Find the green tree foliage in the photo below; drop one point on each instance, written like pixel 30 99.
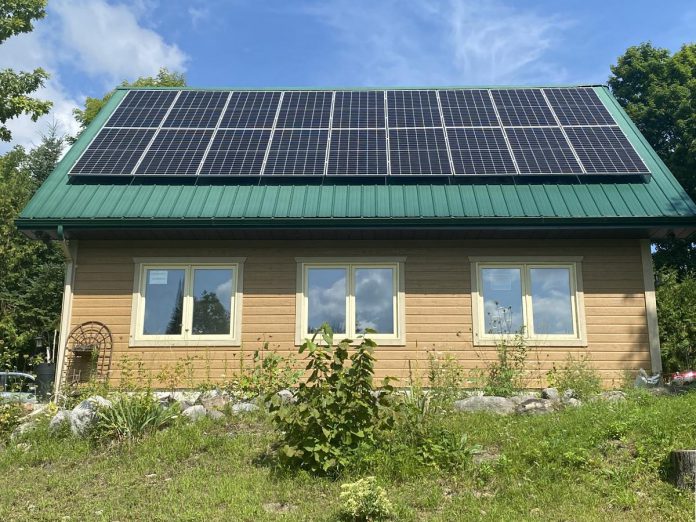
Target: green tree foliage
pixel 16 16
pixel 658 90
pixel 164 78
pixel 210 315
pixel 676 312
pixel 31 271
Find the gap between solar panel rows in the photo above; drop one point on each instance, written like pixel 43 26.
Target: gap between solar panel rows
pixel 474 132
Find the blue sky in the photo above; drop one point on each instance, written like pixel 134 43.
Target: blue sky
pixel 88 46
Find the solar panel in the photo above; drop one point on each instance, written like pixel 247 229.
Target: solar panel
pixel 418 152
pixel 358 152
pixel 237 152
pixel 605 150
pixel 175 152
pixel 113 151
pixel 413 109
pixel 480 151
pixel 542 150
pixel 142 109
pixel 579 106
pixel 305 110
pixel 297 153
pixel 251 109
pixel 358 110
pixel 197 109
pixel 468 108
pixel 522 107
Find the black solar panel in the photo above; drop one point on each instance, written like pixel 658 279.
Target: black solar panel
pixel 175 152
pixel 468 108
pixel 114 151
pixel 605 150
pixel 480 151
pixel 237 152
pixel 305 109
pixel 251 109
pixel 418 152
pixel 542 150
pixel 413 109
pixel 358 110
pixel 358 152
pixel 579 106
pixel 522 107
pixel 142 109
pixel 197 109
pixel 297 153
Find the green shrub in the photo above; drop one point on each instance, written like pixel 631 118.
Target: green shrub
pixel 676 313
pixel 133 416
pixel 503 376
pixel 268 374
pixel 364 501
pixel 445 381
pixel 10 415
pixel 577 375
pixel 336 410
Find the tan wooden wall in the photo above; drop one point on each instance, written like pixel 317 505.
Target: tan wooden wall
pixel 438 300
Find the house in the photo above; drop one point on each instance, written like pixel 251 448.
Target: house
pixel 199 224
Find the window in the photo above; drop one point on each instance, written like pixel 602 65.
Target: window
pixel 187 303
pixel 541 299
pixel 352 297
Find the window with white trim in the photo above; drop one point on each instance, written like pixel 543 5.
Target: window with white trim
pixel 540 300
pixel 187 303
pixel 352 297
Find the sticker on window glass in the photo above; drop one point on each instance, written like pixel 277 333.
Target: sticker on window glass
pixel 158 277
pixel 503 279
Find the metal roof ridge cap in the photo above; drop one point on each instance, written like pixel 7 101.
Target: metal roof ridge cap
pixel 363 88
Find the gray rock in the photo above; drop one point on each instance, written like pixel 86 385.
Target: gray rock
pixel 569 394
pixel 164 398
pixel 186 398
pixel 519 399
pixel 84 415
pixel 60 419
pixel 550 393
pixel 498 405
pixel 244 407
pixel 214 399
pixel 535 407
pixel 215 414
pixel 287 396
pixel 573 402
pixel 613 396
pixel 195 412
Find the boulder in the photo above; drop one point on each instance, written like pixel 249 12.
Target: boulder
pixel 498 405
pixel 244 407
pixel 60 419
pixel 519 399
pixel 613 396
pixel 573 402
pixel 535 407
pixel 287 396
pixel 569 394
pixel 195 412
pixel 214 399
pixel 163 397
pixel 186 398
pixel 215 414
pixel 84 415
pixel 550 393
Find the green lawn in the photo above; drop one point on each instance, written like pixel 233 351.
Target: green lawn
pixel 599 462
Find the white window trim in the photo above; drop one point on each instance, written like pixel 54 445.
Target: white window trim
pixel 482 338
pixel 137 339
pixel 398 338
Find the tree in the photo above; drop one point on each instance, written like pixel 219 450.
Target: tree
pixel 658 91
pixel 16 16
pixel 164 78
pixel 31 285
pixel 210 315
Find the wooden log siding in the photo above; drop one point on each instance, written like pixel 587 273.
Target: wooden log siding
pixel 438 301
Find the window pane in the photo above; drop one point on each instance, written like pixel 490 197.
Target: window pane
pixel 502 300
pixel 212 301
pixel 374 303
pixel 552 307
pixel 164 301
pixel 326 298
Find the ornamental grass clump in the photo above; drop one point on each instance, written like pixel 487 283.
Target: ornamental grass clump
pixel 131 417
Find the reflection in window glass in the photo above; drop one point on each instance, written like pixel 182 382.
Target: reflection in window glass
pixel 502 300
pixel 212 301
pixel 164 301
pixel 326 298
pixel 374 304
pixel 552 307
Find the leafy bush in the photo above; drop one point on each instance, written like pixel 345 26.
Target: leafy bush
pixel 577 375
pixel 503 376
pixel 336 409
pixel 10 415
pixel 365 501
pixel 269 373
pixel 676 313
pixel 133 416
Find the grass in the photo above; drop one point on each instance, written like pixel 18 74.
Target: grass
pixel 600 462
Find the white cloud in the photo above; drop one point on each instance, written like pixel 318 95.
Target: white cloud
pixel 454 42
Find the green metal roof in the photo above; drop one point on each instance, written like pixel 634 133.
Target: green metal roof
pixel 660 200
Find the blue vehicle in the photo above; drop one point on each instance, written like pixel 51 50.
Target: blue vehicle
pixel 17 387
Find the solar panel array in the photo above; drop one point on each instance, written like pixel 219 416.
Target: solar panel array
pixel 447 132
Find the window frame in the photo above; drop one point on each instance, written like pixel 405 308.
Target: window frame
pixel 525 264
pixel 398 338
pixel 186 338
